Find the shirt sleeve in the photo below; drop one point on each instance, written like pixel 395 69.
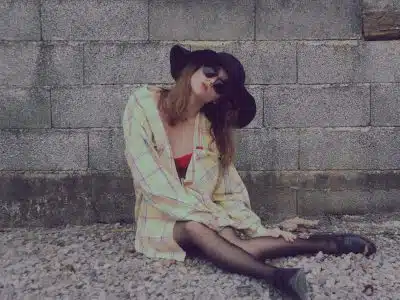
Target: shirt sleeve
pixel 163 190
pixel 231 193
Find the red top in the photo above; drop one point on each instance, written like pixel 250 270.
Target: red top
pixel 183 161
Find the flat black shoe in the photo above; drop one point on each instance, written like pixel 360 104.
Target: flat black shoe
pixel 348 243
pixel 292 282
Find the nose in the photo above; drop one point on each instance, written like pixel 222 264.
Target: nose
pixel 210 81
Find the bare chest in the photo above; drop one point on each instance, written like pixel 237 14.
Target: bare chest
pixel 180 138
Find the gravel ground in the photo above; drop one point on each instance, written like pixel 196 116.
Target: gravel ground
pixel 99 262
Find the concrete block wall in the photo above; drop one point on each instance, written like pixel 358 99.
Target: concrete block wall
pixel 326 137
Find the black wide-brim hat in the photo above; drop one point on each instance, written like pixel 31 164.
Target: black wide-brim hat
pixel 245 103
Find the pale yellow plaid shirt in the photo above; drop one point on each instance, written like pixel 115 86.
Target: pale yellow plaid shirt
pixel 205 195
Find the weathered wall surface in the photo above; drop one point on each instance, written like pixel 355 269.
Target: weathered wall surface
pixel 326 138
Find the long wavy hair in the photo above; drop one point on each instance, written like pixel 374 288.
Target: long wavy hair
pixel 221 114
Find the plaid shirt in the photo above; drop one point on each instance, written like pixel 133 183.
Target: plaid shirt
pixel 206 195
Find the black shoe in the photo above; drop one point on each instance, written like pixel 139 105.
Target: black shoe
pixel 347 243
pixel 291 281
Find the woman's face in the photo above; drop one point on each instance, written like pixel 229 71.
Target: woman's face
pixel 202 85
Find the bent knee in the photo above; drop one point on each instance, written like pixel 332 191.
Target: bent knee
pixel 186 229
pixel 195 227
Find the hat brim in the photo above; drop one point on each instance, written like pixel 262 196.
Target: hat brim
pixel 247 108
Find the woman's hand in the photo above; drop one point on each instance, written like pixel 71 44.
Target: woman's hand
pixel 276 232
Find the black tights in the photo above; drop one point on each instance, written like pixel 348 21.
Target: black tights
pixel 233 258
pixel 269 247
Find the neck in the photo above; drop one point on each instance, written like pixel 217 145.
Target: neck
pixel 194 106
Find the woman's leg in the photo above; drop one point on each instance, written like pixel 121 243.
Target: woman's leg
pixel 232 258
pixel 270 247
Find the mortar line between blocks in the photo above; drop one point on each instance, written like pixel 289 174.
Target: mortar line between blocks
pixel 297 62
pixel 255 20
pixel 40 20
pixel 83 64
pixel 88 149
pixel 370 104
pixel 263 107
pixel 51 108
pixel 148 20
pixel 298 148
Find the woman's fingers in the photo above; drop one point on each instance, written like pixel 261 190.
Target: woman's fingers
pixel 288 236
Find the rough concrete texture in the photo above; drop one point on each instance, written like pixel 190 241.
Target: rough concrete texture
pixel 90 106
pixel 317 105
pixel 271 149
pixel 80 198
pixel 336 19
pixel 359 148
pixel 348 61
pixel 26 26
pixel 201 20
pixel 25 108
pixel 325 137
pixel 94 20
pixel 385 104
pixel 42 149
pixel 41 64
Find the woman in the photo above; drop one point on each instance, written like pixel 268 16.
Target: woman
pixel 190 198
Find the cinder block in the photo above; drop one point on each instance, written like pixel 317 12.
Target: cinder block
pixel 269 202
pixel 373 148
pixel 264 62
pixel 106 150
pixel 20 20
pixel 347 201
pixel 19 63
pixel 38 64
pixel 45 200
pixel 202 20
pixel 43 150
pixel 95 20
pixel 382 61
pixel 24 108
pixel 302 19
pixel 330 62
pixel 319 106
pixel 348 61
pixel 265 149
pixel 127 63
pixel 93 106
pixel 385 104
pixel 113 198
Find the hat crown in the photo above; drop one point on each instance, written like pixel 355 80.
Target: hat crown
pixel 180 57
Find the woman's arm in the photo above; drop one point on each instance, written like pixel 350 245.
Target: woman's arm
pixel 231 193
pixel 160 187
